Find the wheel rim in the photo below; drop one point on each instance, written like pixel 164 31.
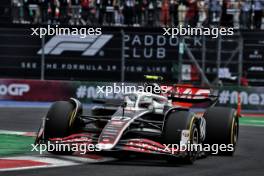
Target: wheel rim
pixel 234 132
pixel 194 140
pixel 195 136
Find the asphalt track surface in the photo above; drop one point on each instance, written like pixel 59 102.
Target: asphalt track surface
pixel 248 159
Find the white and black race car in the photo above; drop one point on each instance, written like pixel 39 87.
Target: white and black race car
pixel 144 123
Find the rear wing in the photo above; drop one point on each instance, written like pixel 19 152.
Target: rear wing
pixel 189 95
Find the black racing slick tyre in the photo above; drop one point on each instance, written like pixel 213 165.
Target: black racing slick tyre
pixel 222 128
pixel 175 122
pixel 58 122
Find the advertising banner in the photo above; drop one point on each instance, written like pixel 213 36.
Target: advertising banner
pixel 47 91
pixel 146 51
pixel 251 97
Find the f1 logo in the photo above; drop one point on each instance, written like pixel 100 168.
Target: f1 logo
pixel 89 45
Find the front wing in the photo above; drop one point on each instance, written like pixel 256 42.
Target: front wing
pixel 138 145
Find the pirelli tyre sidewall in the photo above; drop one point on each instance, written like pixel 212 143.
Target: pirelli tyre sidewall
pixel 175 122
pixel 59 122
pixel 222 127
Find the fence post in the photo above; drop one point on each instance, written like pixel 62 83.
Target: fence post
pixel 123 57
pixel 181 52
pixel 203 56
pixel 240 60
pixel 42 75
pixel 218 62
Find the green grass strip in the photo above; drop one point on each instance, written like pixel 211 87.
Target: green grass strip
pixel 15 144
pixel 252 121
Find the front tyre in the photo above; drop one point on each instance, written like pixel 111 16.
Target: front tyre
pixel 59 122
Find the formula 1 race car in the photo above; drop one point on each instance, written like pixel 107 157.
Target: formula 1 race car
pixel 145 123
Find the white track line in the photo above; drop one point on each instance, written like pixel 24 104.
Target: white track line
pixel 19 133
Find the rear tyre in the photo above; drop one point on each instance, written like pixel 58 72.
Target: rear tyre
pixel 173 126
pixel 222 128
pixel 59 122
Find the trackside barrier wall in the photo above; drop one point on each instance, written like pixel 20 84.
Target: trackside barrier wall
pixel 252 98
